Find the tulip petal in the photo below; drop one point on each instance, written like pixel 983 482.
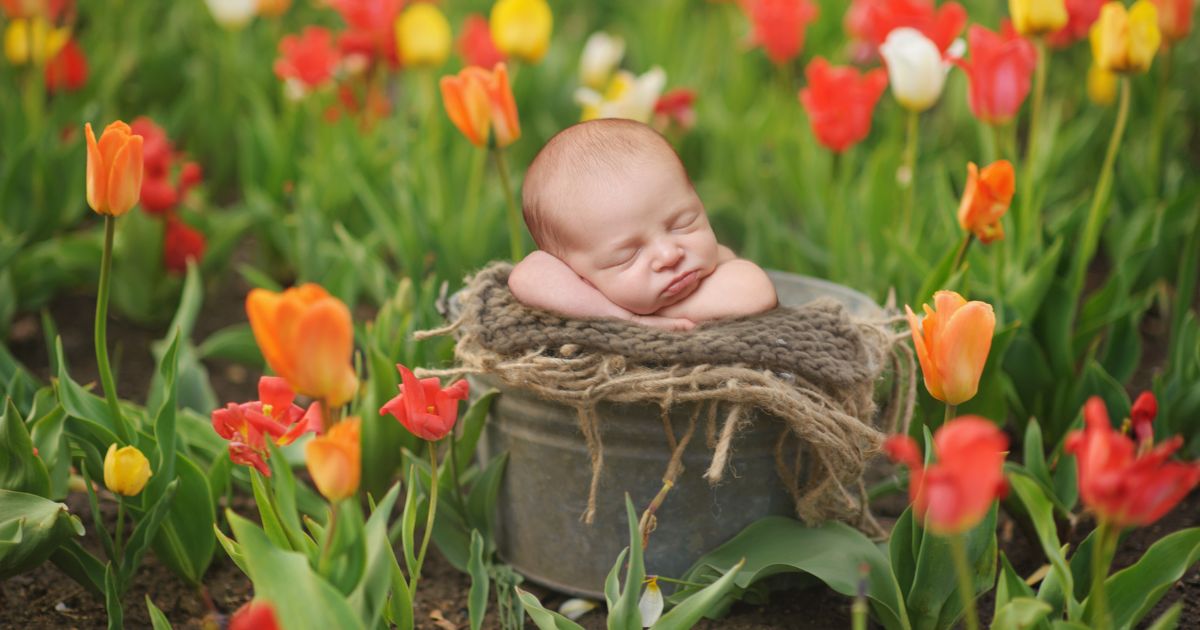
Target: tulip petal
pixel 933 381
pixel 329 333
pixel 125 177
pixel 97 173
pixel 963 349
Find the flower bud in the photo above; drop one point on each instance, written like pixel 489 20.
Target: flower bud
pixel 126 470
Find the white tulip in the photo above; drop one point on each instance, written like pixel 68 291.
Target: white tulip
pixel 650 606
pixel 601 54
pixel 916 70
pixel 627 96
pixel 232 14
pixel 576 607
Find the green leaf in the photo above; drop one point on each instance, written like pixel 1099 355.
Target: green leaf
pixel 481 502
pixel 1035 455
pixel 1041 513
pixel 1133 591
pixel 370 596
pixel 112 599
pixel 933 601
pixel 232 343
pixel 157 619
pixel 943 276
pixel 266 513
pixel 71 558
pixel 185 542
pixel 285 487
pixel 545 619
pixel 472 427
pixel 477 600
pixel 50 439
pixel 143 533
pixel 400 605
pixel 232 549
pixel 301 598
pixel 20 469
pixel 624 614
pixel 1169 620
pixel 689 611
pixel 1027 295
pixel 409 521
pixel 31 529
pixel 612 582
pixel 78 403
pixel 902 550
pixel 1020 614
pixel 1010 586
pixel 164 425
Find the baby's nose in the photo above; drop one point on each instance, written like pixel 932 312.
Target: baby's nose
pixel 667 254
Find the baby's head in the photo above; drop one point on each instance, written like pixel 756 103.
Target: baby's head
pixel 611 199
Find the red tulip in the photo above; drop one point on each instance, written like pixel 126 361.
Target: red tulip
pixel 1122 488
pixel 954 493
pixel 476 45
pixel 779 25
pixel 180 244
pixel 424 408
pixel 307 60
pixel 1175 18
pixel 1081 14
pixel 158 195
pixel 371 28
pixel 840 101
pixel 274 414
pixel 942 25
pixel 157 150
pixel 190 174
pixel 1000 71
pixel 1145 408
pixel 68 70
pixel 674 110
pixel 254 615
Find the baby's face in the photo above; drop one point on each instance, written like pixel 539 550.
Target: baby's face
pixel 643 239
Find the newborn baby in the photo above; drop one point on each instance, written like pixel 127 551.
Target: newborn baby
pixel 621 233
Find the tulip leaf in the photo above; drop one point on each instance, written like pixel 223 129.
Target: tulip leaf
pixel 31 529
pixel 185 542
pixel 91 409
pixel 285 487
pixel 612 582
pixel 408 520
pixel 477 599
pixel 232 549
pixel 542 617
pixel 370 595
pixel 933 600
pixel 472 427
pixel 157 619
pixel 106 539
pixel 301 598
pixel 625 614
pixel 481 503
pixel 49 436
pixel 831 552
pixel 147 527
pixel 1028 293
pixel 400 605
pixel 1035 455
pixel 943 277
pixel 266 513
pixel 71 558
pixel 1041 513
pixel 347 560
pixel 112 598
pixel 164 426
pixel 1169 620
pixel 688 612
pixel 1133 591
pixel 982 550
pixel 1020 614
pixel 20 469
pixel 233 343
pixel 1010 586
pixel 902 546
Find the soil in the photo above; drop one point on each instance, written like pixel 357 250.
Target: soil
pixel 45 598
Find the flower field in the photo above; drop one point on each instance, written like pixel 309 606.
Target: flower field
pixel 240 240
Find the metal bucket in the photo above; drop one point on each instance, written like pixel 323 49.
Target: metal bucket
pixel 545 488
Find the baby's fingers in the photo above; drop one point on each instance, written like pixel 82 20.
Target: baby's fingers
pixel 666 323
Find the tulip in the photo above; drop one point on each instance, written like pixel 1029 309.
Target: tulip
pixel 521 28
pixel 674 110
pixel 1000 71
pixel 915 68
pixel 1125 42
pixel 476 97
pixel 273 8
pixel 232 14
pixel 987 197
pixel 423 35
pixel 1145 408
pixel 371 32
pixel 1175 18
pixel 941 25
pixel 840 101
pixel 68 70
pixel 274 414
pixel 1037 17
pixel 33 39
pixel 190 175
pixel 1125 490
pixel 307 338
pixel 1081 14
pixel 1101 86
pixel 334 460
pixel 114 169
pixel 779 25
pixel 307 61
pixel 650 605
pixel 254 615
pixel 424 408
pixel 953 494
pixel 628 96
pixel 602 54
pixel 157 151
pixel 952 344
pixel 475 43
pixel 181 243
pixel 126 470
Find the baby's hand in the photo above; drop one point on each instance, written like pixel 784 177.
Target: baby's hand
pixel 665 323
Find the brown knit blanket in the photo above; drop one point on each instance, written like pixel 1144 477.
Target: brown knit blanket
pixel 812 366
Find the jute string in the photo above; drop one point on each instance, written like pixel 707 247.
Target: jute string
pixel 811 367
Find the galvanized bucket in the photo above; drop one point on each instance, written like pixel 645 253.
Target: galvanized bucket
pixel 539 530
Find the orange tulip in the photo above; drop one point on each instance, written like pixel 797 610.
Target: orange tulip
pixel 334 460
pixel 986 199
pixel 952 343
pixel 306 336
pixel 479 101
pixel 114 169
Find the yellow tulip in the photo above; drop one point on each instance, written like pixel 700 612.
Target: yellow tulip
pixel 1125 42
pixel 423 35
pixel 335 460
pixel 126 470
pixel 1101 86
pixel 952 343
pixel 521 28
pixel 33 39
pixel 1037 17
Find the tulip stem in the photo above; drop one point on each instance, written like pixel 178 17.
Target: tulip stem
pixel 101 336
pixel 1102 553
pixel 462 502
pixel 514 216
pixel 433 495
pixel 1095 217
pixel 1026 214
pixel 120 528
pixel 962 251
pixel 966 588
pixel 951 413
pixel 1160 106
pixel 908 176
pixel 323 563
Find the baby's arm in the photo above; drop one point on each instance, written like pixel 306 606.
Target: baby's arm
pixel 735 288
pixel 541 280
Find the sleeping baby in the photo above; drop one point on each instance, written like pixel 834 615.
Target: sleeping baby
pixel 622 234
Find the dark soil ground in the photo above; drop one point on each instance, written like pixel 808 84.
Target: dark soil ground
pixel 45 598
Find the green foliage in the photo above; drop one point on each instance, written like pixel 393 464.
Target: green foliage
pixel 31 529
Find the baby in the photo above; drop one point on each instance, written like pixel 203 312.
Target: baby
pixel 621 233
